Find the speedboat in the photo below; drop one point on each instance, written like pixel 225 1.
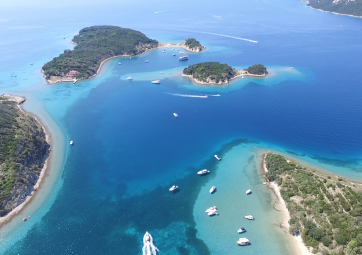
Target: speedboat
pixel 146 61
pixel 71 143
pixel 173 188
pixel 202 172
pixel 213 189
pixel 217 157
pixel 156 82
pixel 243 241
pixel 211 209
pixel 213 212
pixel 175 114
pixel 184 58
pixel 119 63
pixel 148 246
pixel 130 78
pixel 249 217
pixel 248 192
pixel 241 230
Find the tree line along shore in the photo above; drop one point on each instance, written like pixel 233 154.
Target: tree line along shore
pixel 23 151
pixel 325 209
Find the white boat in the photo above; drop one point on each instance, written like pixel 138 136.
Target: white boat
pixel 119 63
pixel 243 241
pixel 146 61
pixel 292 67
pixel 173 188
pixel 71 143
pixel 31 64
pixel 241 230
pixel 213 212
pixel 249 217
pixel 175 114
pixel 156 82
pixel 217 157
pixel 130 57
pixel 213 189
pixel 242 77
pixel 173 55
pixel 211 209
pixel 248 192
pixel 130 78
pixel 202 172
pixel 148 247
pixel 161 72
pixel 264 183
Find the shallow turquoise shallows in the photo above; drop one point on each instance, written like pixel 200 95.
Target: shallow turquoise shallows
pixel 111 186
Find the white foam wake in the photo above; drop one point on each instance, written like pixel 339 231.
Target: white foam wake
pixel 148 247
pixel 229 36
pixel 183 95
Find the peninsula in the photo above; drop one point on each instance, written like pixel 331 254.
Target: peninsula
pixel 209 73
pixel 23 151
pixel 325 209
pixel 97 44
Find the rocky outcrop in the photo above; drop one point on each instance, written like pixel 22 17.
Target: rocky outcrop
pixel 23 151
pixel 195 49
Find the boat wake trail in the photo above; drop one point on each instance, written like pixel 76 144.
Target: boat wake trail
pixel 148 247
pixel 229 36
pixel 183 95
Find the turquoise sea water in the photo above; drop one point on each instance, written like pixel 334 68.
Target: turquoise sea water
pixel 104 192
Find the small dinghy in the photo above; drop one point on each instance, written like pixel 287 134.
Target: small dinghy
pixel 241 230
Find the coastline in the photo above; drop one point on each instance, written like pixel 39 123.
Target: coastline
pixel 44 172
pixel 160 45
pixel 360 17
pixel 240 75
pixel 296 242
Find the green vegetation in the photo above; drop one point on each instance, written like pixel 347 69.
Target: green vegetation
pixel 23 148
pixel 258 69
pixel 210 72
pixel 342 6
pixel 192 43
pixel 325 209
pixel 95 44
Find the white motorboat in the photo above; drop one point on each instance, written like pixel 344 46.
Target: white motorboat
pixel 175 114
pixel 202 172
pixel 213 189
pixel 217 157
pixel 31 64
pixel 242 77
pixel 156 82
pixel 161 72
pixel 130 78
pixel 211 209
pixel 248 192
pixel 74 81
pixel 71 143
pixel 264 183
pixel 241 230
pixel 173 55
pixel 148 247
pixel 243 241
pixel 173 188
pixel 119 63
pixel 130 57
pixel 146 61
pixel 249 217
pixel 292 67
pixel 213 212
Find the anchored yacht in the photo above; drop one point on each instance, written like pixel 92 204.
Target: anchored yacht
pixel 130 78
pixel 74 81
pixel 248 192
pixel 173 188
pixel 146 61
pixel 211 209
pixel 184 58
pixel 156 82
pixel 203 172
pixel 217 157
pixel 213 189
pixel 71 143
pixel 243 241
pixel 175 114
pixel 119 63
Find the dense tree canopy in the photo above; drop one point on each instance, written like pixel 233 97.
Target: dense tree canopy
pixel 258 69
pixel 95 44
pixel 192 43
pixel 341 6
pixel 213 71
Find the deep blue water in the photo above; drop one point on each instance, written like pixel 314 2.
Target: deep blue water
pixel 129 149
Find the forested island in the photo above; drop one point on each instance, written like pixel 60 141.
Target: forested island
pixel 207 73
pixel 345 7
pixel 23 151
pixel 94 45
pixel 193 45
pixel 326 210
